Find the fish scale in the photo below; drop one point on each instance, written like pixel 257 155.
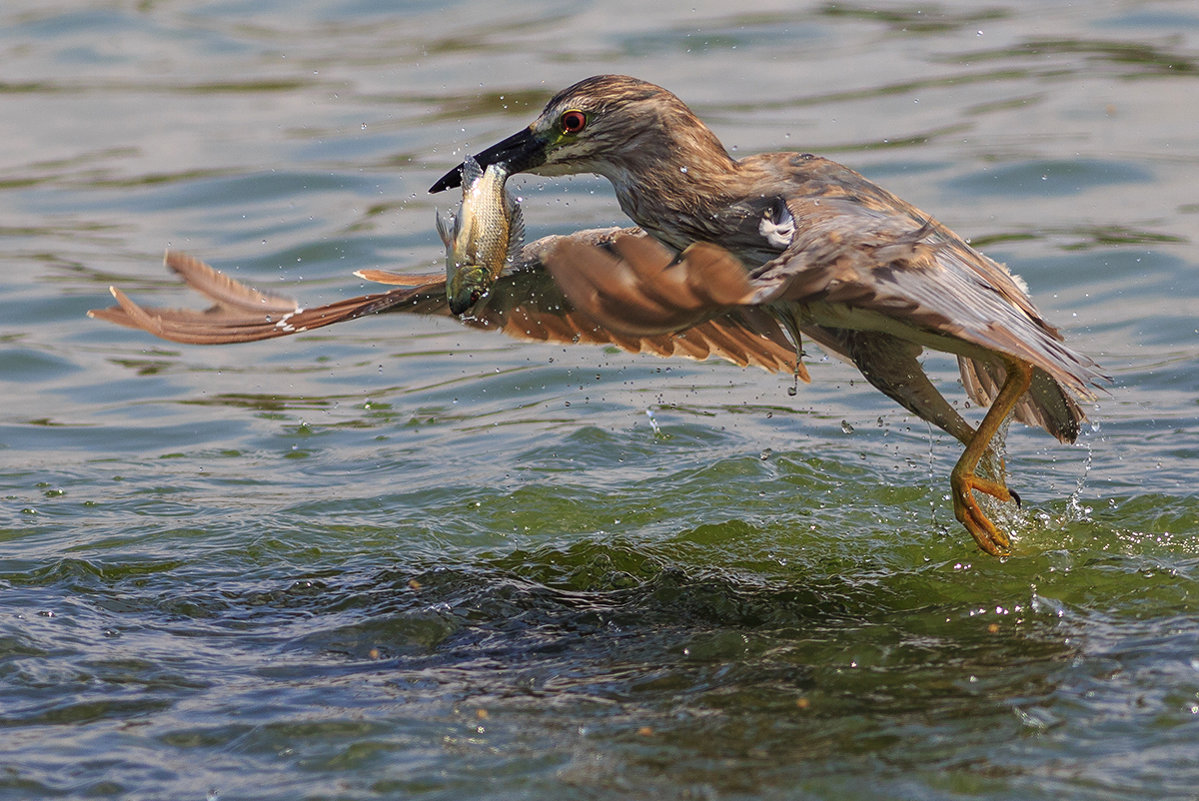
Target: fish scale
pixel 482 237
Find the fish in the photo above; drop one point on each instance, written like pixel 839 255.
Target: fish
pixel 482 238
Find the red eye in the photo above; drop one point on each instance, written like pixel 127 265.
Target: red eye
pixel 573 121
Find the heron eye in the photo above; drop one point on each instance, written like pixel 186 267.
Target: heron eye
pixel 573 121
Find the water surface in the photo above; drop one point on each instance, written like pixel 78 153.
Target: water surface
pixel 402 559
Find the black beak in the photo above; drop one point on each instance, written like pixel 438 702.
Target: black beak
pixel 521 151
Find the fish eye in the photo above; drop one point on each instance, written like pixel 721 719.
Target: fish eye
pixel 573 121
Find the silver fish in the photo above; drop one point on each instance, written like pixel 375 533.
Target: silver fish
pixel 482 238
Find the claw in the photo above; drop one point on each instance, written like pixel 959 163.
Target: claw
pixel 964 481
pixel 971 515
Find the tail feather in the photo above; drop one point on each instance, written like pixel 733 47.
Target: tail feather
pixel 1046 405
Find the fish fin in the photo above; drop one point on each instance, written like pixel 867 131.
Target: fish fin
pixel 516 228
pixel 471 173
pixel 447 227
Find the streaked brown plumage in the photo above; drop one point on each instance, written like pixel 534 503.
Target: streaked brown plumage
pixel 866 275
pixel 525 303
pixel 747 249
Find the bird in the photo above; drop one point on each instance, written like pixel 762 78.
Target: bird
pixel 834 257
pixel 739 258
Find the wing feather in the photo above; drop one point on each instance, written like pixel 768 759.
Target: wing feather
pixel 873 288
pixel 525 303
pixel 920 278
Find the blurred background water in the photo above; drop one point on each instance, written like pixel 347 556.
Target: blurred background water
pixel 402 559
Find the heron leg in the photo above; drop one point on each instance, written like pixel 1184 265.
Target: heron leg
pixel 964 481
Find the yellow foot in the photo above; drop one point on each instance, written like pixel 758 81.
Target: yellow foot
pixel 971 515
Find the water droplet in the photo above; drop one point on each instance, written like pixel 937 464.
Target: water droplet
pixel 846 428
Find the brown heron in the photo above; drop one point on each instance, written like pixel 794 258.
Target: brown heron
pixel 833 256
pixel 732 253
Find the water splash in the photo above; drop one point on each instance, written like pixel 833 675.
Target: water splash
pixel 649 412
pixel 932 477
pixel 1076 511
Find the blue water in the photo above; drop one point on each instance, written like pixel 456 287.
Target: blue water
pixel 399 558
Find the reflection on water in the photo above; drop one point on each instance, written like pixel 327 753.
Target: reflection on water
pixel 402 558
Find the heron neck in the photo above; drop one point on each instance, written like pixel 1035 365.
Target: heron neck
pixel 671 187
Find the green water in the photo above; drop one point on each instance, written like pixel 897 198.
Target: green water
pixel 398 558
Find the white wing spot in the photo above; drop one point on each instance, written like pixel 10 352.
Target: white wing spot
pixel 778 232
pixel 284 325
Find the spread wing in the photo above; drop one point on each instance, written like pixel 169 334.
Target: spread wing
pixel 243 314
pixel 865 282
pixel 920 277
pixel 525 303
pixel 941 293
